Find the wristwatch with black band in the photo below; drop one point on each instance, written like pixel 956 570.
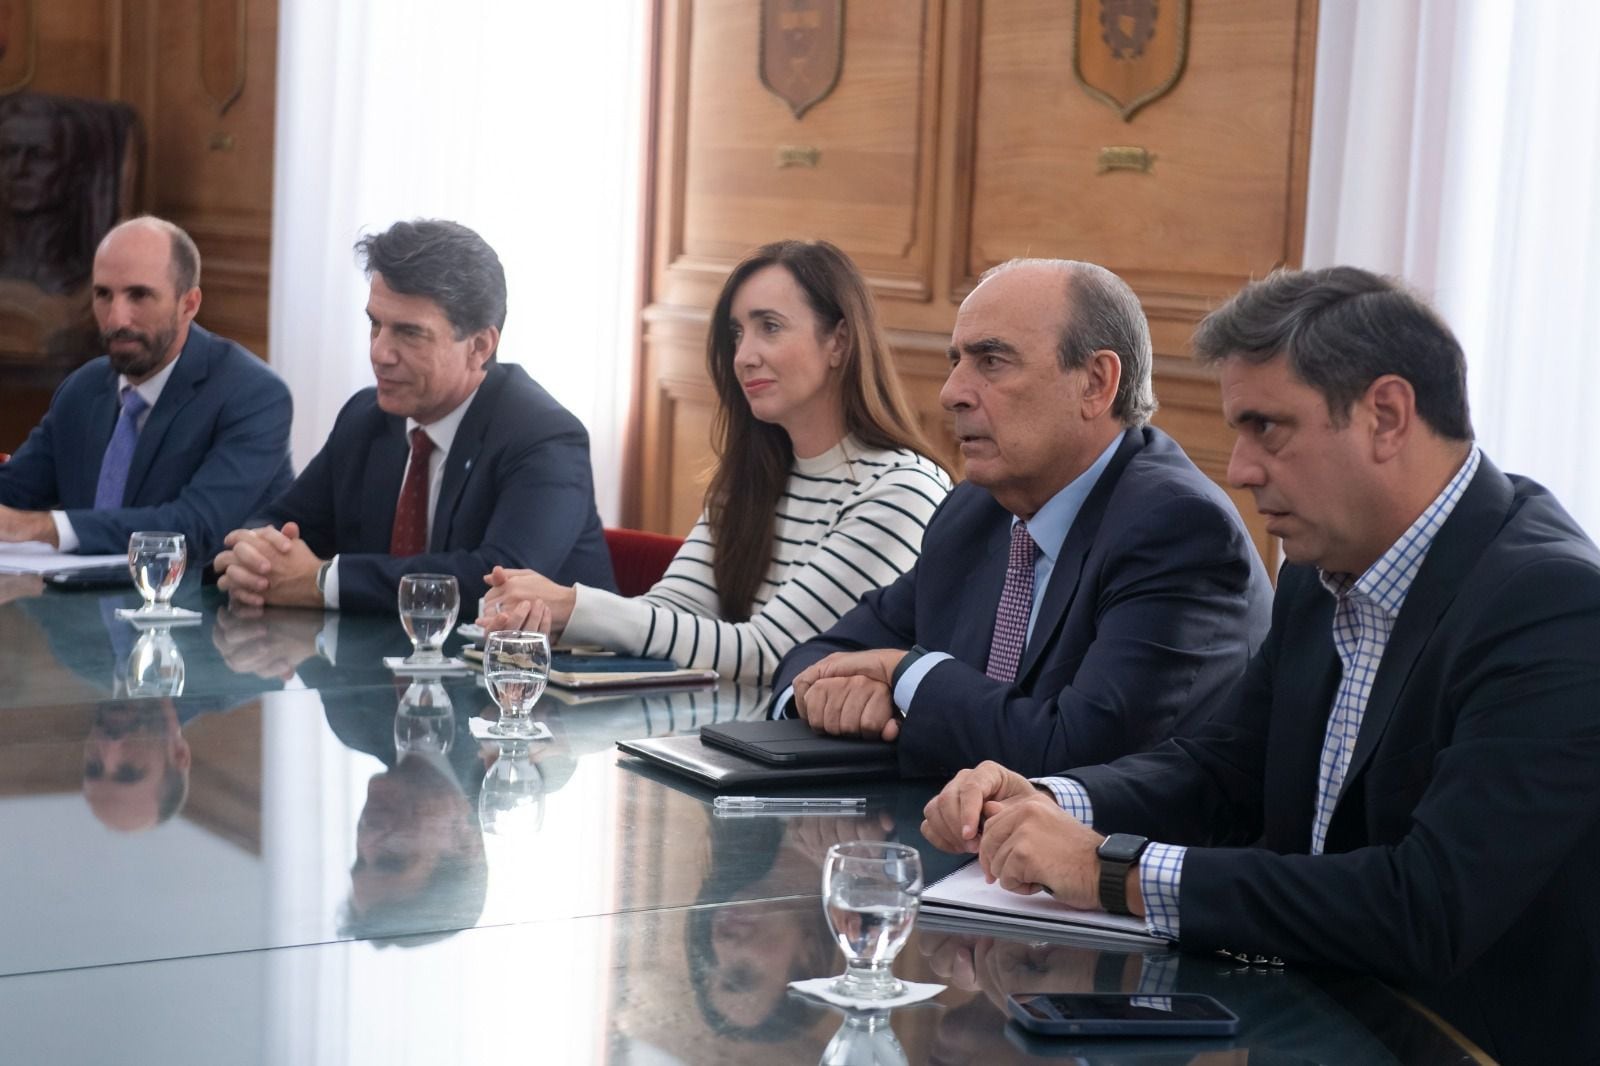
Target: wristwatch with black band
pixel 917 651
pixel 1118 852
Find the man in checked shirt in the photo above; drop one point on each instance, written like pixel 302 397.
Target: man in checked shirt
pixel 1414 754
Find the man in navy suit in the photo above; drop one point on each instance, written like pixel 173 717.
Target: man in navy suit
pixel 454 463
pixel 174 428
pixel 1084 590
pixel 1413 755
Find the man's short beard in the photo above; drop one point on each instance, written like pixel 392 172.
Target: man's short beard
pixel 137 363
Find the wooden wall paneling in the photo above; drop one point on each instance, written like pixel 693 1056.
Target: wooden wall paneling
pixel 1213 210
pixel 210 108
pixel 1014 143
pixel 872 186
pixel 679 406
pixel 56 46
pixel 1190 405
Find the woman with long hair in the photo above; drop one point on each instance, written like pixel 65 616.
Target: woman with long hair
pixel 822 488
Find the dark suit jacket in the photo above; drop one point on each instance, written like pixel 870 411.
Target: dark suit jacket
pixel 1155 604
pixel 517 492
pixel 214 449
pixel 1463 858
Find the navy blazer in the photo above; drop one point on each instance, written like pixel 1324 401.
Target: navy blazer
pixel 517 491
pixel 1155 604
pixel 213 450
pixel 1463 857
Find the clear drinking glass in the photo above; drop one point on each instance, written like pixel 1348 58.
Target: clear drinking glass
pixel 865 1039
pixel 155 665
pixel 424 721
pixel 428 606
pixel 157 560
pixel 516 665
pixel 871 890
pixel 511 801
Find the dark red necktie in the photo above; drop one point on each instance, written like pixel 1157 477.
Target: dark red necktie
pixel 410 535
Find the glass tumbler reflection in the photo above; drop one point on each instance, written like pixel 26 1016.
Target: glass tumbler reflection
pixel 871 891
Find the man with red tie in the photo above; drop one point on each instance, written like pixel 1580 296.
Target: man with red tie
pixel 452 463
pixel 1084 590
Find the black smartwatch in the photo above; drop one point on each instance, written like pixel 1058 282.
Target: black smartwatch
pixel 1118 852
pixel 917 651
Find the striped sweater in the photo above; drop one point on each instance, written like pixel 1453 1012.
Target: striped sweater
pixel 849 520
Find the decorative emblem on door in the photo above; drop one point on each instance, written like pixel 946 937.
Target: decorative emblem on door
pixel 1129 53
pixel 802 50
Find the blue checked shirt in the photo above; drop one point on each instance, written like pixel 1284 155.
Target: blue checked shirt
pixel 1363 620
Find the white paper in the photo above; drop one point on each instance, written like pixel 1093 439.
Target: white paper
pixel 170 616
pixel 398 664
pixel 36 557
pixel 480 731
pixel 966 895
pixel 820 988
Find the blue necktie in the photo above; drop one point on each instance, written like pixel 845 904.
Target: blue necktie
pixel 119 453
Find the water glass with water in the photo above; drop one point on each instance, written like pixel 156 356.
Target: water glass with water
pixel 516 665
pixel 157 560
pixel 871 890
pixel 865 1039
pixel 424 721
pixel 428 606
pixel 154 666
pixel 511 800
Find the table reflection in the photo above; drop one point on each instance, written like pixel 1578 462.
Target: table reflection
pixel 864 1039
pixel 136 764
pixel 226 844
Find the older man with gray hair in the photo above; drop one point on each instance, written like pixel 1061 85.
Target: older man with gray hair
pixel 1084 591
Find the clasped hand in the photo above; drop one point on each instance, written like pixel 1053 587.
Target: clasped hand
pixel 526 600
pixel 848 694
pixel 268 566
pixel 1023 840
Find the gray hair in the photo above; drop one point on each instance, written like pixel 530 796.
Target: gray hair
pixel 1102 314
pixel 444 261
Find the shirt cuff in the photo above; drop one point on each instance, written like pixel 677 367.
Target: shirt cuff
pixel 1069 795
pixel 330 586
pixel 66 536
pixel 1160 875
pixel 785 704
pixel 905 690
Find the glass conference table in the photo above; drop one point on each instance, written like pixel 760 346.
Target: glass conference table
pixel 300 860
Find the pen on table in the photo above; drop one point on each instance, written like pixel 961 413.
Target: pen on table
pixel 756 803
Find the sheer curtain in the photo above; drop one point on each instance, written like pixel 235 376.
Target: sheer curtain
pixel 1456 143
pixel 520 120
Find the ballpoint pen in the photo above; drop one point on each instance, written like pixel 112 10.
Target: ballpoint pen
pixel 756 803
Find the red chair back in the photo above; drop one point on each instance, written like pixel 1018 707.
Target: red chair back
pixel 638 559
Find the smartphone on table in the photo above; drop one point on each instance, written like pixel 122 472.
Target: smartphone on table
pixel 1109 1014
pixel 116 576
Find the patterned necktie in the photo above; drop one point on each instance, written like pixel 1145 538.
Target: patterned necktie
pixel 1016 603
pixel 119 453
pixel 410 535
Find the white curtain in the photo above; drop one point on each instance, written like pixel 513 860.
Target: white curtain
pixel 1456 143
pixel 521 120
